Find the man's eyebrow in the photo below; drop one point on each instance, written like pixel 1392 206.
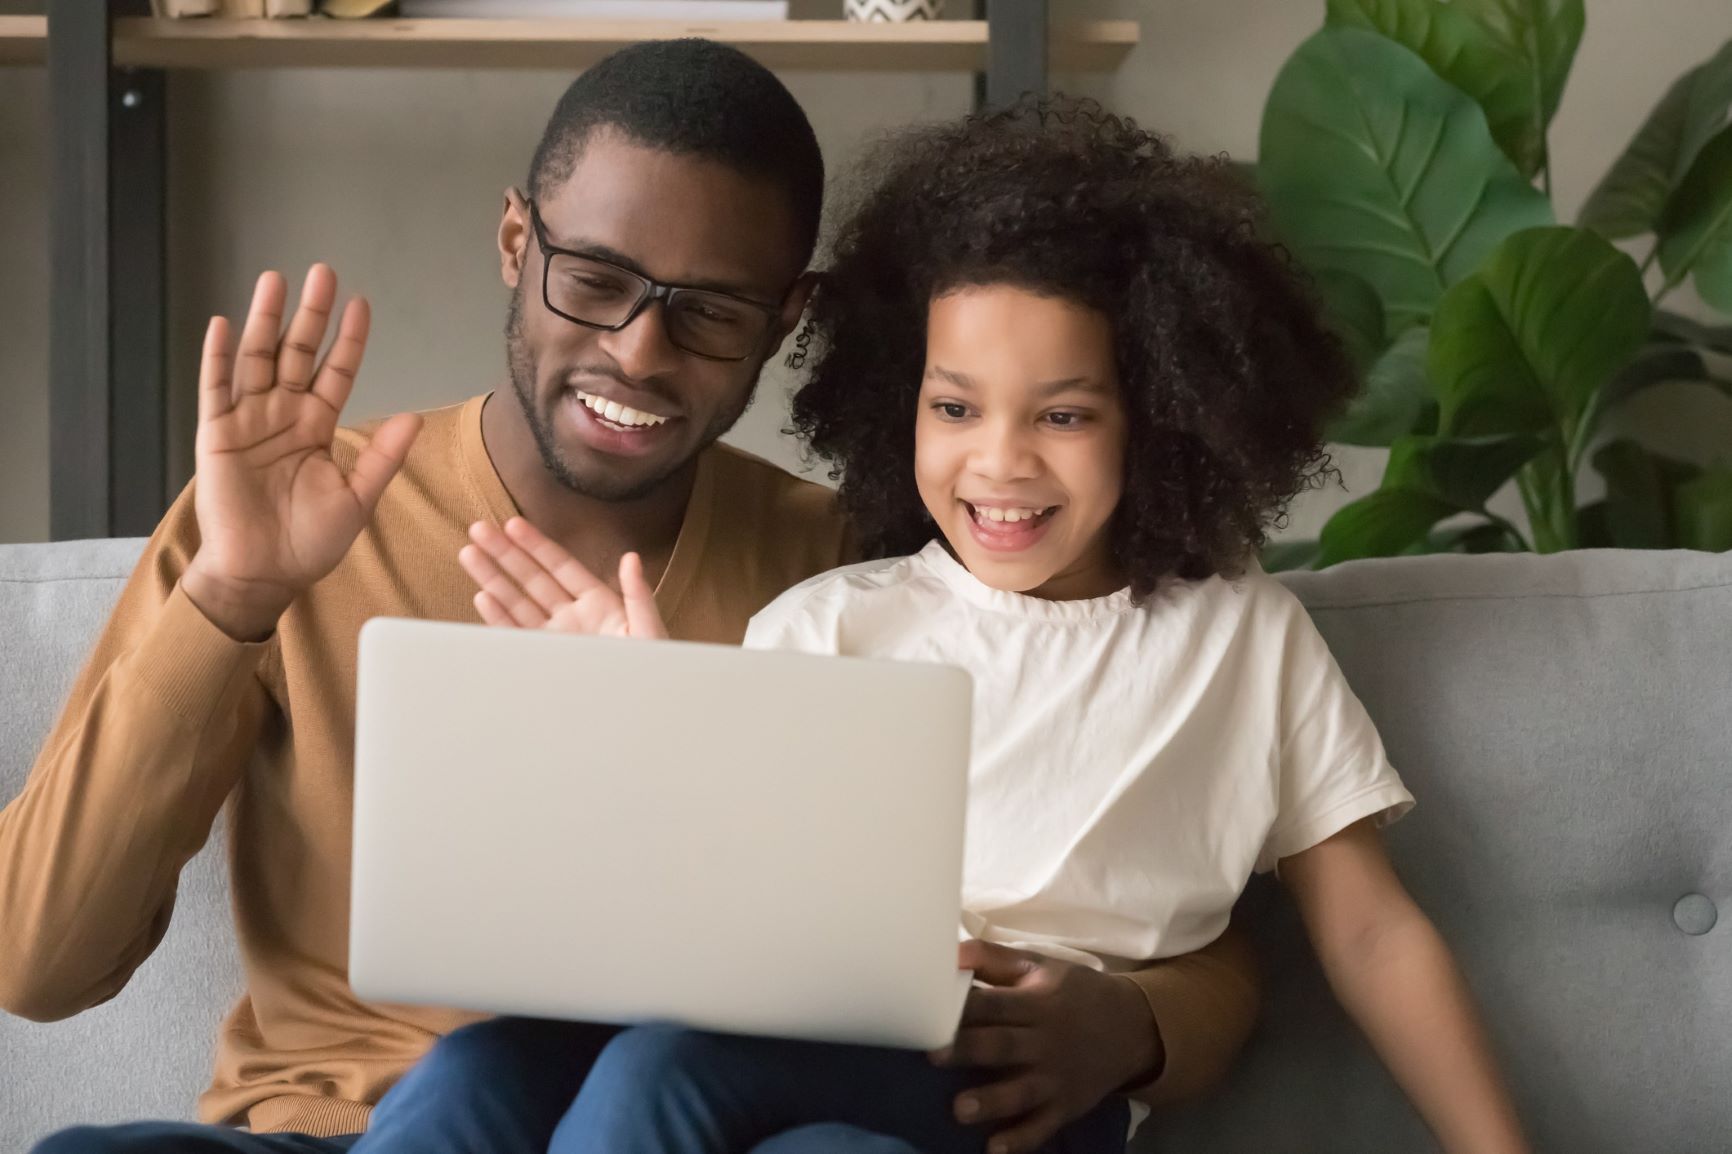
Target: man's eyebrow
pixel 614 256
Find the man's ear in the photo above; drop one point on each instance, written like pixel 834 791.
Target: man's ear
pixel 514 232
pixel 794 306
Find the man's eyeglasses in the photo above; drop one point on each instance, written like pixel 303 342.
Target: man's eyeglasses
pixel 599 295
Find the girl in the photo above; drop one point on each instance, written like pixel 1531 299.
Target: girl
pixel 1065 388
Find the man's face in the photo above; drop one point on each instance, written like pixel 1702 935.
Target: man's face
pixel 677 220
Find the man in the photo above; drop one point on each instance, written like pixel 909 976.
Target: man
pixel 656 260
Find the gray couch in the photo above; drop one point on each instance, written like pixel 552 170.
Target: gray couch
pixel 1565 722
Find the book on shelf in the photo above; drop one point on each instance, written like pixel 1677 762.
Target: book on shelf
pixel 676 10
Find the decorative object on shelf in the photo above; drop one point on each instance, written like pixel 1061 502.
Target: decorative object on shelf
pixel 357 9
pixel 892 11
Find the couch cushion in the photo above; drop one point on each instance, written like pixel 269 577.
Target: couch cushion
pixel 1566 725
pixel 148 1052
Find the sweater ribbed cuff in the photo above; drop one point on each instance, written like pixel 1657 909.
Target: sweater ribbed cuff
pixel 189 663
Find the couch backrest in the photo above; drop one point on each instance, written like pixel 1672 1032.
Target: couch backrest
pixel 1566 723
pixel 148 1052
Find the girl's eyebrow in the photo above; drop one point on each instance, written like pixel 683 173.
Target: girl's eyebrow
pixel 950 377
pixel 1045 388
pixel 1072 384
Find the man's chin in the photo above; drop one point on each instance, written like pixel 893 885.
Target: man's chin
pixel 604 478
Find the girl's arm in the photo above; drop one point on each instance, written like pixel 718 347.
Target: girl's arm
pixel 1392 972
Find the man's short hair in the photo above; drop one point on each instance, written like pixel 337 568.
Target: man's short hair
pixel 692 98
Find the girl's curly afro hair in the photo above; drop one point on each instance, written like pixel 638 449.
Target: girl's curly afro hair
pixel 1227 371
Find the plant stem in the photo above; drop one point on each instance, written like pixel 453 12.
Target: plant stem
pixel 1653 255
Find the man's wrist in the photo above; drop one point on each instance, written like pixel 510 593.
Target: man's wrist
pixel 1145 1052
pixel 245 618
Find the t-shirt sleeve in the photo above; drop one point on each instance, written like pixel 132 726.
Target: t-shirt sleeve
pixel 1332 765
pixel 803 619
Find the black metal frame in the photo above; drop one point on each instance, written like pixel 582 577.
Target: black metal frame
pixel 1016 52
pixel 107 340
pixel 107 333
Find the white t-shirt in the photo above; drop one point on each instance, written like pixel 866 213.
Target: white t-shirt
pixel 1133 764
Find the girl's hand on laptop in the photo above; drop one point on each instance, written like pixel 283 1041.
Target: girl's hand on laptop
pixel 1060 1038
pixel 529 581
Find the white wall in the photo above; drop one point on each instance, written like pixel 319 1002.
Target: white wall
pixel 395 178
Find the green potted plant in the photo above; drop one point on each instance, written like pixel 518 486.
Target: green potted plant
pixel 1403 155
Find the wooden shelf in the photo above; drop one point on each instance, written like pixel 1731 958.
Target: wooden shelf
pixel 23 39
pixel 943 45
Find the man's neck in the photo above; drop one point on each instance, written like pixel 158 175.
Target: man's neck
pixel 596 532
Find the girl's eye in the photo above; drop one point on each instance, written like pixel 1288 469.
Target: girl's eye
pixel 950 410
pixel 1065 420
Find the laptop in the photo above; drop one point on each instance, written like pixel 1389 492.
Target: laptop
pixel 621 831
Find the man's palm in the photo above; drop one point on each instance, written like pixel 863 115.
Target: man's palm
pixel 275 511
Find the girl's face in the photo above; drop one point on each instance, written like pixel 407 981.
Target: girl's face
pixel 1019 441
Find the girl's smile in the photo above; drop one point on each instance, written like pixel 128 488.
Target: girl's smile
pixel 1020 439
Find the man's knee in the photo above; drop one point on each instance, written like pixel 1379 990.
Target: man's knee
pixel 89 1140
pixel 833 1138
pixel 653 1054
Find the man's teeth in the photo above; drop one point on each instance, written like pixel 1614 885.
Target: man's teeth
pixel 619 414
pixel 993 513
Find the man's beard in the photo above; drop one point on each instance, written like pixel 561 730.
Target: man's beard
pixel 603 486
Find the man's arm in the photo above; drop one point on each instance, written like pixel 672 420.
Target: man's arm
pixel 156 731
pixel 1203 1007
pixel 163 718
pixel 1058 1038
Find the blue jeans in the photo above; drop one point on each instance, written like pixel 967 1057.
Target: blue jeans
pixel 665 1090
pixel 184 1138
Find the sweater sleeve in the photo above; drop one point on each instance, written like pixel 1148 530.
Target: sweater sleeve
pixel 1204 1004
pixel 158 728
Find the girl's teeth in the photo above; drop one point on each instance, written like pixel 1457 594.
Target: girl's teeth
pixel 992 513
pixel 619 414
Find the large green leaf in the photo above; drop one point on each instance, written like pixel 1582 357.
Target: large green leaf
pixel 1660 363
pixel 1428 479
pixel 1526 342
pixel 1374 166
pixel 1463 472
pixel 1639 494
pixel 1285 556
pixel 1631 196
pixel 1354 311
pixel 1696 228
pixel 1704 511
pixel 1478 537
pixel 1381 524
pixel 1463 52
pixel 1396 397
pixel 1673 326
pixel 1545 33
